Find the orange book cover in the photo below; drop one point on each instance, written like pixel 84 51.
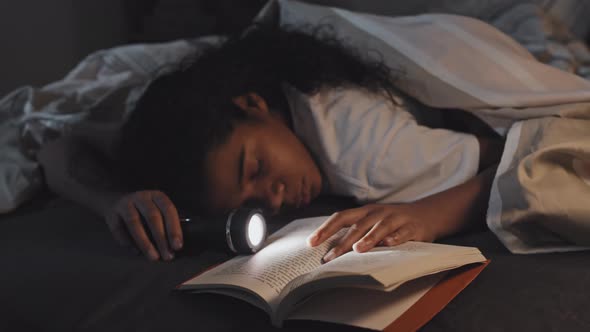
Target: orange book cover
pixel 436 298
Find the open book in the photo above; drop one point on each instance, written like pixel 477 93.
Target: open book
pixel 288 280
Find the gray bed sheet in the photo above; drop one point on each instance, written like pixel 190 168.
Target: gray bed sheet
pixel 62 271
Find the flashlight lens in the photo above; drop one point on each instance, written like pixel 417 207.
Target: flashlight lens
pixel 256 230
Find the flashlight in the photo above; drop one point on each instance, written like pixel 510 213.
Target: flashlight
pixel 242 231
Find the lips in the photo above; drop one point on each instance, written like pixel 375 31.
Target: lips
pixel 306 196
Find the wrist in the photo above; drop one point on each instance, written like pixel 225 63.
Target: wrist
pixel 436 216
pixel 459 208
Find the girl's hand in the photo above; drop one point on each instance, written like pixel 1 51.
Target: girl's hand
pixel 161 217
pixel 375 224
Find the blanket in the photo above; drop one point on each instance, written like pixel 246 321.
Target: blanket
pixel 538 199
pixel 448 61
pixel 96 96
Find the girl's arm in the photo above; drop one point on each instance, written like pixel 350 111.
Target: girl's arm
pixel 75 170
pixel 445 213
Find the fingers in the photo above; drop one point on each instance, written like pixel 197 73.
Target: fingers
pixel 403 234
pixel 391 226
pixel 135 228
pixel 153 218
pixel 376 227
pixel 171 220
pixel 334 223
pixel 373 224
pixel 160 216
pixel 354 233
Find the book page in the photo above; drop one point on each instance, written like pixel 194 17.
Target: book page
pixel 382 268
pixel 285 257
pixel 375 259
pixel 378 309
pixel 391 265
pixel 287 264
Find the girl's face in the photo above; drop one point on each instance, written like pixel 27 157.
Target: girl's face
pixel 262 164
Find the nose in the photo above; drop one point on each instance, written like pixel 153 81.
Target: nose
pixel 273 194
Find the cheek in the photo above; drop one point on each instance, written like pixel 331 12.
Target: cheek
pixel 286 155
pixel 221 191
pixel 289 152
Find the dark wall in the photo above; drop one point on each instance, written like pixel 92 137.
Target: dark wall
pixel 42 40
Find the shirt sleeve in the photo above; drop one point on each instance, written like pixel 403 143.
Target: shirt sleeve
pixel 374 150
pixel 418 161
pixel 379 147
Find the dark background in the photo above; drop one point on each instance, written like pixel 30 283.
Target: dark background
pixel 41 40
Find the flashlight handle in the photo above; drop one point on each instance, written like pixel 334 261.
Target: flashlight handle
pixel 229 234
pixel 203 233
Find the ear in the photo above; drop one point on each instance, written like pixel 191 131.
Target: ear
pixel 252 103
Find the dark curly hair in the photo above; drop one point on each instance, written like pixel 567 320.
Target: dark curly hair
pixel 188 112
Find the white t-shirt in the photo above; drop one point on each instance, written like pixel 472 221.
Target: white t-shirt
pixel 375 151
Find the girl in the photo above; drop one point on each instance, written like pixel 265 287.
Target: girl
pixel 275 118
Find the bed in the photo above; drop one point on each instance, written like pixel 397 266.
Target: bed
pixel 64 272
